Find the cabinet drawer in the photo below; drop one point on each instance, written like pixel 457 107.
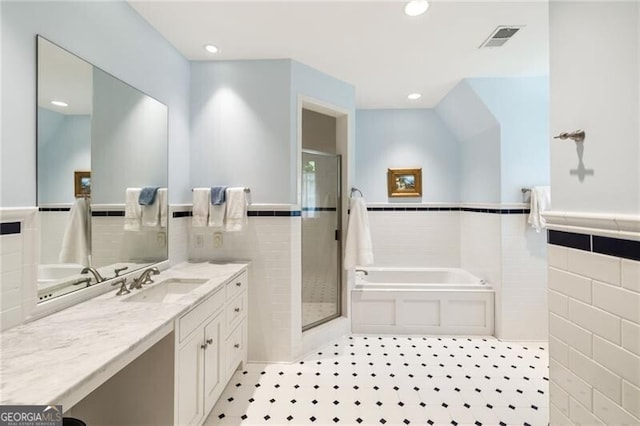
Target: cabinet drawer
pixel 236 310
pixel 192 319
pixel 236 285
pixel 234 349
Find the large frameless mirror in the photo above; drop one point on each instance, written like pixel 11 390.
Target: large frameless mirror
pixel 102 174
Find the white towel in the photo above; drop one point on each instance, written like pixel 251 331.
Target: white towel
pixel 236 213
pixel 163 199
pixel 74 242
pixel 540 201
pixel 132 210
pixel 216 215
pixel 155 214
pixel 358 247
pixel 201 202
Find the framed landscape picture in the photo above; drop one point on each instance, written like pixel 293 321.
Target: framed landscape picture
pixel 404 182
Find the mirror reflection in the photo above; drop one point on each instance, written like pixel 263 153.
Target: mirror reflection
pixel 102 175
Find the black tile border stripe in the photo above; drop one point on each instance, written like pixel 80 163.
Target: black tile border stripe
pixel 627 249
pixel 618 247
pixel 448 209
pixel 182 214
pixel 10 228
pixel 54 209
pixel 569 239
pixel 251 213
pixel 319 209
pixel 107 213
pixel 273 213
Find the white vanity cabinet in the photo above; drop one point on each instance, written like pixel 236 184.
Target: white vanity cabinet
pixel 210 344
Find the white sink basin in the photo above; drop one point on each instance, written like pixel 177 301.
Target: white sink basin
pixel 165 291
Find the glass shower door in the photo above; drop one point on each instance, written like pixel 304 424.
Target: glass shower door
pixel 321 249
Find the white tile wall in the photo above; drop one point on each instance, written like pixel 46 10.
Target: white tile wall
pixel 271 244
pixel 524 295
pixel 594 342
pixel 52 227
pixel 18 257
pixel 179 235
pixel 415 238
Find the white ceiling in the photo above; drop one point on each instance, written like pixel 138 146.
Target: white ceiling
pixel 371 44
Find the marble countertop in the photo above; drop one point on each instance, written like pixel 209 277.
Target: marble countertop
pixel 61 358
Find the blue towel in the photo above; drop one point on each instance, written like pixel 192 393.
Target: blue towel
pixel 217 195
pixel 147 195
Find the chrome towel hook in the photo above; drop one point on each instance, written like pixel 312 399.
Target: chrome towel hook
pixel 577 136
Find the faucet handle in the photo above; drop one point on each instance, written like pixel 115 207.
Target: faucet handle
pixel 123 286
pixel 118 270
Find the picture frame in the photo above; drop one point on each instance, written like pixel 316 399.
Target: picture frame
pixel 82 183
pixel 404 182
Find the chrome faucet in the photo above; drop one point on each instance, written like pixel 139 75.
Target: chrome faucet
pixel 86 281
pixel 144 278
pixel 99 278
pixel 365 272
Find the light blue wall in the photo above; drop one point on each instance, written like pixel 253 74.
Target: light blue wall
pixel 244 123
pixel 240 127
pixel 478 133
pixel 311 84
pixel 112 36
pixel 521 106
pixel 65 146
pixel 502 125
pixel 406 138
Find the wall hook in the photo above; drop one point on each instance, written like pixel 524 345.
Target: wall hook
pixel 577 136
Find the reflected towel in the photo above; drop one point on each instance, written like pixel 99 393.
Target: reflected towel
pixel 74 242
pixel 163 199
pixel 201 197
pixel 218 195
pixel 540 201
pixel 151 212
pixel 132 210
pixel 236 212
pixel 147 195
pixel 358 247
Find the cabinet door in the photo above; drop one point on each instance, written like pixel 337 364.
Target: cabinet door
pixel 213 373
pixel 190 381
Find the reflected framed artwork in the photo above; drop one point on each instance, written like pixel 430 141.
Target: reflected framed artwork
pixel 82 183
pixel 404 182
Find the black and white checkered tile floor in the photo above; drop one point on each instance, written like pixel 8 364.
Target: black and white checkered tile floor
pixel 384 380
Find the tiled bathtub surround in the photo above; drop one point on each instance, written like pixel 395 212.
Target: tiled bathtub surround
pixel 594 343
pixel 491 241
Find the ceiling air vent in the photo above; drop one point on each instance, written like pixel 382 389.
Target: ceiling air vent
pixel 500 36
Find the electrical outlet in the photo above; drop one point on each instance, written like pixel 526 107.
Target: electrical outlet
pixel 199 240
pixel 217 239
pixel 161 239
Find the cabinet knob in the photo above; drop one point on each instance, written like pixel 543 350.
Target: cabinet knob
pixel 237 309
pixel 204 346
pixel 238 284
pixel 209 341
pixel 237 346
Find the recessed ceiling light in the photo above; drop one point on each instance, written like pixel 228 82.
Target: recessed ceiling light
pixel 211 48
pixel 416 7
pixel 414 96
pixel 59 103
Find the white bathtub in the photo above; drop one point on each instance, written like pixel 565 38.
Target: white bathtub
pixel 447 301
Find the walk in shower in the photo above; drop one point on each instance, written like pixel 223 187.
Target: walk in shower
pixel 321 247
